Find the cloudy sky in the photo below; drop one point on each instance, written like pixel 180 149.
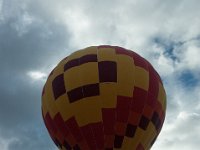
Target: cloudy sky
pixel 35 35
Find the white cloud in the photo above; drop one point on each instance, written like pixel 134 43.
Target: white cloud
pixel 181 128
pixel 21 26
pixel 4 143
pixel 133 24
pixel 186 115
pixel 182 133
pixel 189 55
pixel 1 3
pixel 37 75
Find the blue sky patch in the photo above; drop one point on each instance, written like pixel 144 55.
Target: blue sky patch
pixel 188 79
pixel 168 47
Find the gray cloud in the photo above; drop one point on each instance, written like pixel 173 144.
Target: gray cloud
pixel 35 35
pixel 28 41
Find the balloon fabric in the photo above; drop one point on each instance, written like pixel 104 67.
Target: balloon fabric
pixel 104 98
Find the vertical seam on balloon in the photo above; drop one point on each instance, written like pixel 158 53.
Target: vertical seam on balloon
pixel 62 144
pixel 116 98
pixel 103 130
pixel 57 107
pixel 151 131
pixel 153 109
pixel 89 124
pixel 145 103
pixel 125 146
pixel 93 136
pixel 49 109
pixel 97 49
pixel 129 111
pixel 157 102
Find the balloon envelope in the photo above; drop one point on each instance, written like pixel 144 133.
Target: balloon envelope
pixel 104 97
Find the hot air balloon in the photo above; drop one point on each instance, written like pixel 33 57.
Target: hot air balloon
pixel 104 98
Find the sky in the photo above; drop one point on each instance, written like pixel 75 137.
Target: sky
pixel 35 35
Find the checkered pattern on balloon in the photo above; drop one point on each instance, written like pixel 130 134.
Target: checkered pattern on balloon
pixel 104 98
